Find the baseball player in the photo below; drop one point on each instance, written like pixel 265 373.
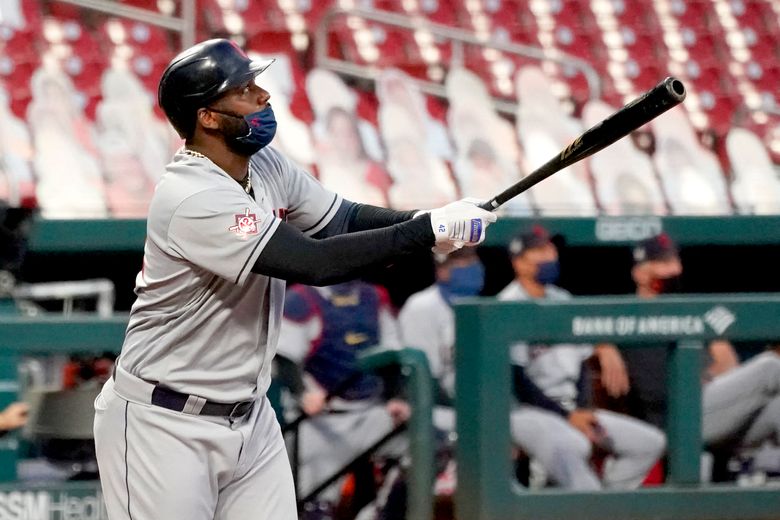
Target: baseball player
pixel 554 374
pixel 428 322
pixel 741 407
pixel 183 429
pixel 658 270
pixel 323 331
pixel 740 403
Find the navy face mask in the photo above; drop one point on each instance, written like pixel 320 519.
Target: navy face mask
pixel 256 131
pixel 548 272
pixel 464 281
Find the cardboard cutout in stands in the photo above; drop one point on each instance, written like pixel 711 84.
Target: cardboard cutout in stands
pixel 70 184
pixel 624 178
pixel 690 174
pixel 395 88
pixel 344 162
pixel 755 185
pixel 326 90
pixel 293 137
pixel 544 129
pixel 487 154
pixel 420 179
pixel 134 145
pixel 17 185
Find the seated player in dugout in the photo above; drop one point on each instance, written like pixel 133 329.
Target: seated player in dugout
pixel 324 331
pixel 428 322
pixel 740 402
pixel 550 383
pixel 184 428
pixel 657 271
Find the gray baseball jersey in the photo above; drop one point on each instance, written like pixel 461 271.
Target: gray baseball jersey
pixel 203 323
pixel 555 369
pixel 428 323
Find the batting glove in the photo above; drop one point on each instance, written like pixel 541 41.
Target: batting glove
pixel 459 224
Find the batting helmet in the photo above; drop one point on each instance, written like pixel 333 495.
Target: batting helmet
pixel 199 75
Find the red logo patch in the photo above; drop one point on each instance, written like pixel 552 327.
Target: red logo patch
pixel 246 224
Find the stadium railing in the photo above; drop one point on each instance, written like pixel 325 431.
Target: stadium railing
pixel 116 235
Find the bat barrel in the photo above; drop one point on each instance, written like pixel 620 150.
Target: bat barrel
pixel 667 94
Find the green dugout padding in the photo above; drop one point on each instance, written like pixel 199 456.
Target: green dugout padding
pixel 484 330
pixel 104 235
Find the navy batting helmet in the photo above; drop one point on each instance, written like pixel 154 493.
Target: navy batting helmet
pixel 201 74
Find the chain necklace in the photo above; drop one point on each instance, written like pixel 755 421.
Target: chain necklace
pixel 246 182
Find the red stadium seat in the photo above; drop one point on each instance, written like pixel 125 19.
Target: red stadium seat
pixel 151 5
pixel 315 11
pixel 18 61
pixel 757 14
pixel 696 14
pixel 636 15
pixel 765 78
pixel 706 48
pixel 580 45
pixel 441 11
pixel 721 112
pixel 642 46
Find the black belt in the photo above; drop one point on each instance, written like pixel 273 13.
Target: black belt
pixel 176 401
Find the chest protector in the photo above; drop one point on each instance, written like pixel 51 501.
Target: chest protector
pixel 350 325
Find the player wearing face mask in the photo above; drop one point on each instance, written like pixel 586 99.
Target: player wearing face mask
pixel 550 385
pixel 657 271
pixel 428 322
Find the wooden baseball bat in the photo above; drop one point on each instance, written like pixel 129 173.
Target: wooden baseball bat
pixel 667 94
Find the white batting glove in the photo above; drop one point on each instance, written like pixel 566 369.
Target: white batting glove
pixel 459 224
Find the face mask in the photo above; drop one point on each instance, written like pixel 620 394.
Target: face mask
pixel 670 285
pixel 464 281
pixel 548 272
pixel 256 131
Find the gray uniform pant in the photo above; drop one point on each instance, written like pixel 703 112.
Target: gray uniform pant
pixel 329 441
pixel 743 405
pixel 157 463
pixel 565 452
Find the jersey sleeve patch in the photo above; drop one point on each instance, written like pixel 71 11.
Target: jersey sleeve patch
pixel 220 230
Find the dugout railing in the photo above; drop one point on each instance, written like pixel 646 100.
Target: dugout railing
pixel 485 329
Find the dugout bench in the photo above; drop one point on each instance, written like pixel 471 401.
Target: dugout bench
pixel 485 328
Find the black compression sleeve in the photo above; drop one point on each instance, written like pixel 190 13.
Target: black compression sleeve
pixel 352 216
pixel 527 392
pixel 292 256
pixel 365 216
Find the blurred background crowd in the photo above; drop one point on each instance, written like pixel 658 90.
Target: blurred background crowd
pixel 82 136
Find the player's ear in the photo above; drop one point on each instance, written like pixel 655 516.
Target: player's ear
pixel 207 118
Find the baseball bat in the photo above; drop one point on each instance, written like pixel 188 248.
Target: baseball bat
pixel 667 94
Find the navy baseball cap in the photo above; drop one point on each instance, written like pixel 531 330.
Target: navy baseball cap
pixel 658 247
pixel 537 236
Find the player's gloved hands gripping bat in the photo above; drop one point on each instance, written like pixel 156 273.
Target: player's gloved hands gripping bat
pixel 460 223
